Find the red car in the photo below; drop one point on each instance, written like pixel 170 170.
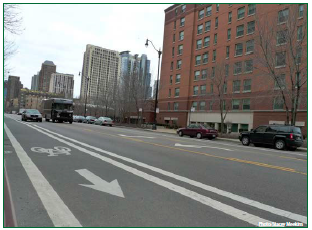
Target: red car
pixel 198 131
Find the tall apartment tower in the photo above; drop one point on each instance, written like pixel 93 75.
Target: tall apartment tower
pixel 200 40
pixel 35 82
pixel 61 83
pixel 47 68
pixel 102 67
pixel 14 87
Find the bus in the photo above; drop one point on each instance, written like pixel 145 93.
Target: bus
pixel 57 109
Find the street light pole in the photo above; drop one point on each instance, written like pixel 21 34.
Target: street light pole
pixel 85 110
pixel 157 82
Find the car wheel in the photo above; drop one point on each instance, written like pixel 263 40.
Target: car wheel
pixel 280 144
pixel 53 120
pixel 70 122
pixel 199 135
pixel 245 141
pixel 40 120
pixel 110 125
pixel 180 133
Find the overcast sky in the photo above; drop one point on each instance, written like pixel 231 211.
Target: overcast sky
pixel 60 33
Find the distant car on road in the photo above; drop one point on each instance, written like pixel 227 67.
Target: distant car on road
pixel 198 131
pixel 280 136
pixel 31 114
pixel 89 120
pixel 104 121
pixel 21 111
pixel 80 119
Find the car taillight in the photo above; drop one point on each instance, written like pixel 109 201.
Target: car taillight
pixel 291 136
pixel 208 130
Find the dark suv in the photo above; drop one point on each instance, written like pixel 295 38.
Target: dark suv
pixel 280 136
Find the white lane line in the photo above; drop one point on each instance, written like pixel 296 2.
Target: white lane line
pixel 220 192
pixel 200 146
pixel 57 210
pixel 229 210
pixel 122 135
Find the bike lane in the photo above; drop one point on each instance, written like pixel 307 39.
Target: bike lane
pixel 71 172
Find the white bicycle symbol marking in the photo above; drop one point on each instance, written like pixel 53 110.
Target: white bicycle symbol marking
pixel 52 152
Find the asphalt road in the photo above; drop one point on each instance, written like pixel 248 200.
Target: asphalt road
pixel 86 175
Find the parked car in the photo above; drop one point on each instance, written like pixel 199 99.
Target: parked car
pixel 20 112
pixel 104 121
pixel 280 136
pixel 31 114
pixel 198 131
pixel 80 119
pixel 89 120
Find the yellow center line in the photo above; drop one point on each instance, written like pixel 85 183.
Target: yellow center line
pixel 207 154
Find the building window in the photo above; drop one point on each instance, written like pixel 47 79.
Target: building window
pixel 206 41
pixel 178 78
pixel 171 66
pixel 179 64
pixel 247 85
pixel 236 86
pixel 278 103
pixel 175 106
pixel 207 26
pixel 176 92
pixel 215 40
pixel 174 24
pixel 194 105
pixel 210 105
pixel 246 104
pixel 249 46
pixel 202 105
pixel 176 12
pixel 235 104
pixel 300 33
pixel 182 22
pixel 199 44
pixel 217 22
pixel 169 95
pixel 230 17
pixel 213 72
pixel 251 26
pixel 172 51
pixel 224 88
pixel 227 68
pixel 280 59
pixel 208 10
pixel 283 16
pixel 217 7
pixel 195 90
pixel 281 37
pixel 227 53
pixel 196 75
pixel 201 14
pixel 181 35
pixel 214 55
pixel 205 58
pixel 241 13
pixel 198 60
pixel 168 105
pixel 203 89
pixel 300 10
pixel 183 8
pixel 204 74
pixel 200 29
pixel 239 49
pixel 211 88
pixel 229 34
pixel 170 79
pixel 280 81
pixel 248 66
pixel 298 55
pixel 237 68
pixel 251 9
pixel 180 49
pixel 239 30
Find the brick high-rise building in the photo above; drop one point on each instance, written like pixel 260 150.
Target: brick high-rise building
pixel 14 87
pixel 47 68
pixel 205 41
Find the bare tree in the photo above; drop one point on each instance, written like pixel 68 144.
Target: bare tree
pixel 281 54
pixel 12 22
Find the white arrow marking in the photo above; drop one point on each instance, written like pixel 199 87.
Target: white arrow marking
pixel 99 184
pixel 198 147
pixel 134 136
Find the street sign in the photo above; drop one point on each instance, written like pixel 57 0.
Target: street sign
pixel 157 110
